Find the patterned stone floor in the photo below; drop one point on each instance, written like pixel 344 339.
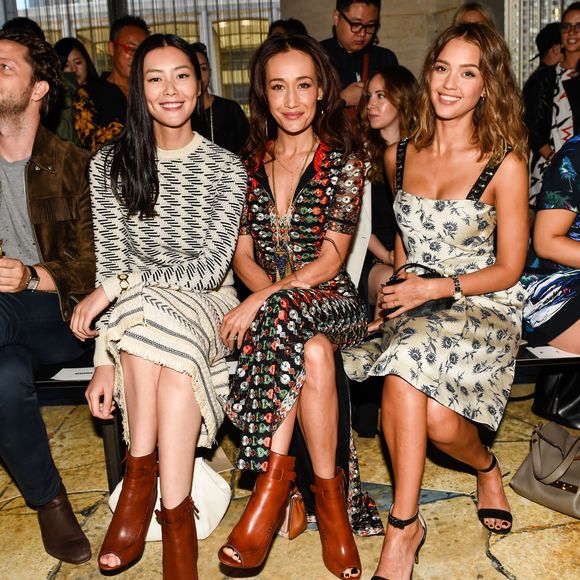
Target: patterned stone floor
pixel 544 544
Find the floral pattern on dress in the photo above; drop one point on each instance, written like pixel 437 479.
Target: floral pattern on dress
pixel 463 357
pixel 270 372
pixel 550 287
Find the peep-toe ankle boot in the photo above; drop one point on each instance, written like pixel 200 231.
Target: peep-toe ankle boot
pixel 251 537
pixel 179 541
pixel 125 537
pixel 339 551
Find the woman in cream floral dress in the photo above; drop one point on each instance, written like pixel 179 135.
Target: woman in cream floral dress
pixel 461 208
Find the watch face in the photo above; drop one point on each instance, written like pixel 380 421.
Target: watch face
pixel 33 283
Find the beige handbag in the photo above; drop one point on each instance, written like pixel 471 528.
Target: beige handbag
pixel 294 522
pixel 550 474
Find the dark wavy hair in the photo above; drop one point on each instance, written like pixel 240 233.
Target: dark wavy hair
pixel 330 123
pixel 44 63
pixel 497 119
pixel 66 45
pixel 134 176
pixel 400 88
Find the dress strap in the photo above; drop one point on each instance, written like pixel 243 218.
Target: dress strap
pixel 484 179
pixel 400 163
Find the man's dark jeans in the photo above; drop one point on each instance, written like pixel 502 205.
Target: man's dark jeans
pixel 32 333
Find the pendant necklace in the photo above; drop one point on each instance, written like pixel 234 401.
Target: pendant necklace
pixel 282 223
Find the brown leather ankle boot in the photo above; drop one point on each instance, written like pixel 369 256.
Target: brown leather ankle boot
pixel 61 534
pixel 179 541
pixel 252 535
pixel 339 550
pixel 125 537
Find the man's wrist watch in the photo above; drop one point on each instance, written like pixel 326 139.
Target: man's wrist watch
pixel 34 279
pixel 457 293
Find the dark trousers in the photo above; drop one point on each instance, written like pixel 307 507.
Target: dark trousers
pixel 32 333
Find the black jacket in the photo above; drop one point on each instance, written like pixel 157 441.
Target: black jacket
pixel 538 95
pixel 349 64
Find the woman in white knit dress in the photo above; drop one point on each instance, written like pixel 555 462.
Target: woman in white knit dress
pixel 166 209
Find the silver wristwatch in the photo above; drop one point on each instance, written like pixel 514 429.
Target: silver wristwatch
pixel 457 293
pixel 34 279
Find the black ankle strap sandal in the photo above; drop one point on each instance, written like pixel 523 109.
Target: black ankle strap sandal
pixel 402 524
pixel 494 513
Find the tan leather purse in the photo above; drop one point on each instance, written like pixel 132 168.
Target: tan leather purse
pixel 294 522
pixel 550 474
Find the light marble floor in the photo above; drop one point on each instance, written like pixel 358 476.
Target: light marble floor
pixel 544 544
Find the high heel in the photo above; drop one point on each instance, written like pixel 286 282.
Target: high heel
pixel 125 537
pixel 179 540
pixel 401 525
pixel 251 537
pixel 339 551
pixel 495 513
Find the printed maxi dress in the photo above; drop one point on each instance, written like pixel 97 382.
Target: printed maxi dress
pixel 463 357
pixel 270 372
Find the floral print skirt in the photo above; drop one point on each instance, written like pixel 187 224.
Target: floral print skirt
pixel 464 357
pixel 271 373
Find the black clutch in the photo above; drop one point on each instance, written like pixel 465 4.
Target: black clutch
pixel 428 307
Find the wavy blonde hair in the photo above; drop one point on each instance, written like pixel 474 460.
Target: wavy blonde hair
pixel 498 118
pixel 400 88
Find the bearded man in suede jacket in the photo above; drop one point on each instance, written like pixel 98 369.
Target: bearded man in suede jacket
pixel 48 264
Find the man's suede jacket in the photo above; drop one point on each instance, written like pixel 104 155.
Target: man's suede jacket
pixel 59 206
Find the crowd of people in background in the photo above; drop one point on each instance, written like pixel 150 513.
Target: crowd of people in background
pixel 130 199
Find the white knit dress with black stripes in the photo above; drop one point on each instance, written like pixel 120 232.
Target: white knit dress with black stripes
pixel 180 284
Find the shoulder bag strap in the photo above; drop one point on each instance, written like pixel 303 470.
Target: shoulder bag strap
pixel 400 163
pixel 561 468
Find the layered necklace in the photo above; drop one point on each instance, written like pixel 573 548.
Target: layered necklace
pixel 281 224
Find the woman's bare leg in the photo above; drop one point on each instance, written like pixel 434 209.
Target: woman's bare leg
pixel 404 424
pixel 458 437
pixel 179 423
pixel 318 406
pixel 318 411
pixel 140 378
pixel 569 340
pixel 283 435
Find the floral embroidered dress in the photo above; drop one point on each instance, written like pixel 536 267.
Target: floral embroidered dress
pixel 270 372
pixel 553 290
pixel 463 357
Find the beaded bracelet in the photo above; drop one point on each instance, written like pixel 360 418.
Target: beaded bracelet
pixel 123 282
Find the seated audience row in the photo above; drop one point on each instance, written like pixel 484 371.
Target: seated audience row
pixel 168 218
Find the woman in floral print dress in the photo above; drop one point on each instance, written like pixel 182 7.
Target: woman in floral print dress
pixel 449 370
pixel 301 210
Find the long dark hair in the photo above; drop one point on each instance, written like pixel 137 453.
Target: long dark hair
pixel 66 45
pixel 133 168
pixel 330 124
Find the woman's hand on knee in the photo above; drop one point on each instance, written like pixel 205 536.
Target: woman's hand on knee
pixel 99 393
pixel 86 311
pixel 237 321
